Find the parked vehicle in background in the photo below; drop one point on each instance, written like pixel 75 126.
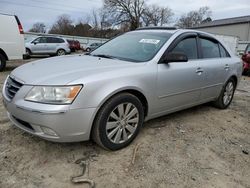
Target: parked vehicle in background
pixel 11 39
pixel 108 94
pixel 93 46
pixel 74 45
pixel 246 61
pixel 47 46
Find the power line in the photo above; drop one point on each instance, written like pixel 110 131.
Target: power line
pixel 40 7
pixel 57 4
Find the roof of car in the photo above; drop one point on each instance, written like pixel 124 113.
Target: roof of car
pixel 156 28
pixel 171 30
pixel 6 14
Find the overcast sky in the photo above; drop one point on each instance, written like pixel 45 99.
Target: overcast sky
pixel 31 11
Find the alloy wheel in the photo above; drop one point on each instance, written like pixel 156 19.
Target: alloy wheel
pixel 60 52
pixel 228 93
pixel 122 123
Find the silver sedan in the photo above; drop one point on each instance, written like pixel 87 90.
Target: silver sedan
pixel 106 95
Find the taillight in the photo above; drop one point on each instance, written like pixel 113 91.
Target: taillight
pixel 20 27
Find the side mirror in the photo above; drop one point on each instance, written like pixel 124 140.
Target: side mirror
pixel 175 57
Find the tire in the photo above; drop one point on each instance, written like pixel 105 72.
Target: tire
pixel 226 95
pixel 28 52
pixel 2 62
pixel 60 52
pixel 88 50
pixel 110 128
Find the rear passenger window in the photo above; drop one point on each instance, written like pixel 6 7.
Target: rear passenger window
pixel 247 49
pixel 50 40
pixel 187 46
pixel 210 49
pixel 223 52
pixel 56 40
pixel 60 40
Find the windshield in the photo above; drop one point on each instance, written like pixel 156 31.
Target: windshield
pixel 248 49
pixel 133 46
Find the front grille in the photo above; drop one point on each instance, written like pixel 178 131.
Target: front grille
pixel 11 88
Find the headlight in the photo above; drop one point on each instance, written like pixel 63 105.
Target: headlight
pixel 53 95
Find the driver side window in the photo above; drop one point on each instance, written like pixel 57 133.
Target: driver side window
pixel 40 40
pixel 187 46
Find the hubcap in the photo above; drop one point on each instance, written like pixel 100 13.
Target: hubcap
pixel 122 123
pixel 61 52
pixel 228 93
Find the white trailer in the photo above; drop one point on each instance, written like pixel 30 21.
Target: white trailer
pixel 11 39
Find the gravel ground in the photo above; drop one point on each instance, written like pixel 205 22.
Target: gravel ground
pixel 198 147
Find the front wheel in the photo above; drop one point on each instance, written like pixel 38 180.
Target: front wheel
pixel 118 121
pixel 61 52
pixel 2 62
pixel 226 95
pixel 28 53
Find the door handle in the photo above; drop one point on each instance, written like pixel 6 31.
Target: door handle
pixel 199 71
pixel 227 67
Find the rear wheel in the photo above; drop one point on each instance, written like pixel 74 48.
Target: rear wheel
pixel 118 121
pixel 226 95
pixel 2 62
pixel 61 52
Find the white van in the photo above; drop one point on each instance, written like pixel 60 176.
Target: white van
pixel 11 39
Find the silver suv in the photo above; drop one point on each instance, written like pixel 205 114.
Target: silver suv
pixel 108 94
pixel 47 45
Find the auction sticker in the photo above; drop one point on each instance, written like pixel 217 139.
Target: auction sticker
pixel 149 41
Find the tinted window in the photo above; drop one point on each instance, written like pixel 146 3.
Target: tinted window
pixel 50 40
pixel 223 51
pixel 187 46
pixel 57 40
pixel 40 40
pixel 60 41
pixel 248 49
pixel 210 49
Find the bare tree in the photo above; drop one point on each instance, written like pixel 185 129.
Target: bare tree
pixel 125 11
pixel 105 20
pixel 157 16
pixel 95 18
pixel 38 27
pixel 194 18
pixel 63 25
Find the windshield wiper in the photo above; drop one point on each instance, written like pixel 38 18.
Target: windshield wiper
pixel 104 56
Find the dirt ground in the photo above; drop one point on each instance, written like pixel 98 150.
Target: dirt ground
pixel 198 147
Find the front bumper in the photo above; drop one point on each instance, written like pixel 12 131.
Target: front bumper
pixel 68 125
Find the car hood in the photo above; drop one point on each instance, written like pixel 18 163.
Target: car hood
pixel 63 70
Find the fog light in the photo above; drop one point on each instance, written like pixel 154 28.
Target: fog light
pixel 48 131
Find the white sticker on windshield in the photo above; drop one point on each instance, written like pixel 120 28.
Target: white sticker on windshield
pixel 149 41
